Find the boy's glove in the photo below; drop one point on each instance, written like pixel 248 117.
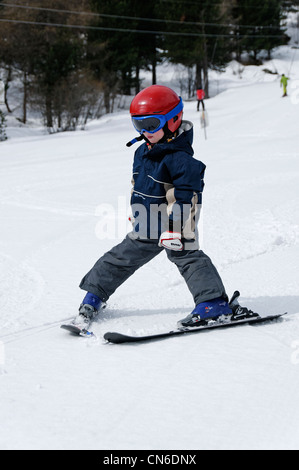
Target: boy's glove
pixel 171 241
pixel 131 219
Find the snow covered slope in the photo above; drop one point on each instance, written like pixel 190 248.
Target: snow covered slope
pixel 230 389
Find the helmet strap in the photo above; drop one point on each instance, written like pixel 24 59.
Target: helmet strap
pixel 168 135
pixel 137 139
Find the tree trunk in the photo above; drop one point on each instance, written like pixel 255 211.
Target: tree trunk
pixel 137 81
pixel 154 72
pixel 107 100
pixel 49 116
pixel 198 78
pixel 6 87
pixel 205 60
pixel 206 80
pixel 25 97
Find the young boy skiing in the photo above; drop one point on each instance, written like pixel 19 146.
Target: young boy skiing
pixel 166 198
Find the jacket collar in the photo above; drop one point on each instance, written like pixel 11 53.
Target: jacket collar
pixel 183 142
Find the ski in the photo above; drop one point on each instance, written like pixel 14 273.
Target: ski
pixel 78 330
pixel 117 338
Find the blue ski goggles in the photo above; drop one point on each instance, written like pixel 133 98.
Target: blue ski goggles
pixel 153 123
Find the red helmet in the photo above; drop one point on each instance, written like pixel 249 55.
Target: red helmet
pixel 160 100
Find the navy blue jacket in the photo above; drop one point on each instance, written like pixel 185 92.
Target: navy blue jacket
pixel 167 186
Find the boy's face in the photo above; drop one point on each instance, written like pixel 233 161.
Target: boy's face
pixel 154 138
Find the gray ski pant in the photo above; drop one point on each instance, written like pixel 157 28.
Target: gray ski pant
pixel 118 264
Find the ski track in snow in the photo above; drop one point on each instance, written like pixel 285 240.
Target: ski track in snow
pixel 229 389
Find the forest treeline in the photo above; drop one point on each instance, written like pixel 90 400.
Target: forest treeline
pixel 73 58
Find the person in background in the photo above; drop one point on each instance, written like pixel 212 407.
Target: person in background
pixel 200 97
pixel 284 84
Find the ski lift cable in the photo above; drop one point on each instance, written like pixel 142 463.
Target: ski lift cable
pixel 154 20
pixel 128 30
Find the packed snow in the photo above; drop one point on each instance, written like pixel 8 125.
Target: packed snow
pixel 225 389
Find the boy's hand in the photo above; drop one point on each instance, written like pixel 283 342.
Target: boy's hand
pixel 171 241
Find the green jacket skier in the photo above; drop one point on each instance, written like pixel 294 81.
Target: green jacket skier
pixel 284 84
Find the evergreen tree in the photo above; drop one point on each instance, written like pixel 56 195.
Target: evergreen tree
pixel 290 5
pixel 60 54
pixel 111 52
pixel 32 52
pixel 149 45
pixel 117 55
pixel 45 57
pixel 200 38
pixel 259 25
pixel 19 46
pixel 56 60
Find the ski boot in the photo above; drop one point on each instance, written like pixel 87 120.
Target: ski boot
pixel 88 311
pixel 87 314
pixel 240 313
pixel 215 309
